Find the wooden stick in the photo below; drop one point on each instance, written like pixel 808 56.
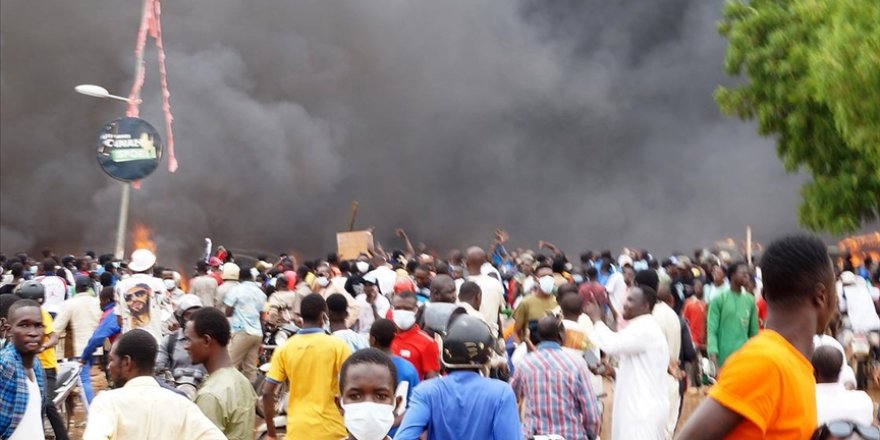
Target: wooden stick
pixel 354 212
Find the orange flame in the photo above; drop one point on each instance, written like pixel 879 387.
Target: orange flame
pixel 184 280
pixel 140 236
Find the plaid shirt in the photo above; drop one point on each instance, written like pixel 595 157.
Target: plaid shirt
pixel 558 398
pixel 14 389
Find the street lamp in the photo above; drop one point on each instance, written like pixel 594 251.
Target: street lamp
pixel 97 92
pixel 122 224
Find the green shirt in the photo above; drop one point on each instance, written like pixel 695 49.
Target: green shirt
pixel 732 320
pixel 532 308
pixel 228 398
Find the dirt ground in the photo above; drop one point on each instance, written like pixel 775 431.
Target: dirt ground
pixel 691 400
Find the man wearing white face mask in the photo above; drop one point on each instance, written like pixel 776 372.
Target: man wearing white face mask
pixel 373 305
pixel 532 308
pixel 367 400
pixel 411 343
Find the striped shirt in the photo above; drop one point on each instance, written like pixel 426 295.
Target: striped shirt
pixel 558 398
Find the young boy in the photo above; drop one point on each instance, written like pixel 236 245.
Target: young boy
pixel 366 400
pixel 766 389
pixel 22 387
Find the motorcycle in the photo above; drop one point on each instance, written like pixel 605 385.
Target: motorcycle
pixel 865 348
pixel 272 339
pixel 182 380
pixel 67 382
pixel 187 381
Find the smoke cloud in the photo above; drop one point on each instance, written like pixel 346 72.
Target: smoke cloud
pixel 587 123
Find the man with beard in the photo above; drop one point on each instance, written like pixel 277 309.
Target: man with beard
pixel 138 407
pixel 139 296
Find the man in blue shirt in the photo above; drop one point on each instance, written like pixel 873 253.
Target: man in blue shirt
pixel 245 304
pixel 108 327
pixel 464 404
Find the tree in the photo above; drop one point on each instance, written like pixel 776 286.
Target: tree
pixel 812 70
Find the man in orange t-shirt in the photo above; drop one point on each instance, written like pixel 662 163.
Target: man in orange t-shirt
pixel 766 389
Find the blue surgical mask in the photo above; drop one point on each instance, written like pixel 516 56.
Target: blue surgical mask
pixel 578 279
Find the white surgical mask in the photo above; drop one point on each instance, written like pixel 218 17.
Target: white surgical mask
pixel 547 284
pixel 404 319
pixel 326 326
pixel 368 420
pixel 362 266
pixel 322 281
pixel 170 284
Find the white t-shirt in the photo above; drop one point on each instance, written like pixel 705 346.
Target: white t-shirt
pixel 31 425
pixel 834 402
pixel 386 278
pixel 365 314
pixel 616 287
pixel 493 298
pixel 855 299
pixel 56 292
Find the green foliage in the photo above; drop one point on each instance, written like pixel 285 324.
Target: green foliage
pixel 813 82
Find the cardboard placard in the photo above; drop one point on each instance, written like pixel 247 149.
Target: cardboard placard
pixel 349 245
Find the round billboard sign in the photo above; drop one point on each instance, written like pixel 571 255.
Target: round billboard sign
pixel 129 149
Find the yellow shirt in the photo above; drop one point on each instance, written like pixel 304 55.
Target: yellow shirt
pixel 770 383
pixel 311 363
pixel 47 357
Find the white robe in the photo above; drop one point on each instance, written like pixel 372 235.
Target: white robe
pixel 641 402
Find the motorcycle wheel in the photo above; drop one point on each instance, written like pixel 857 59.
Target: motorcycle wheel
pixel 862 375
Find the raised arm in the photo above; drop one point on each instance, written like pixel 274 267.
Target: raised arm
pixel 410 251
pixel 552 247
pixel 710 421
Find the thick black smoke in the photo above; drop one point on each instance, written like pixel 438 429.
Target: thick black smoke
pixel 587 123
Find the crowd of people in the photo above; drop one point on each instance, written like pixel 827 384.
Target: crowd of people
pixel 481 344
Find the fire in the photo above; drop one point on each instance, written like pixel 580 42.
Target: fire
pixel 141 238
pixel 861 246
pixel 184 281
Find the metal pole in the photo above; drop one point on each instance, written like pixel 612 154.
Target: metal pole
pixel 122 225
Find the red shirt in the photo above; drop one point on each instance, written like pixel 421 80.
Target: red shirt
pixel 419 349
pixel 761 305
pixel 594 292
pixel 694 311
